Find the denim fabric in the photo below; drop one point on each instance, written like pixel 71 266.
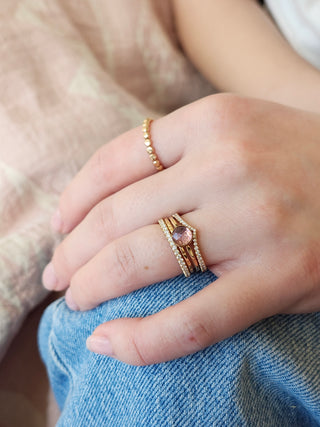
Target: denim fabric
pixel 267 375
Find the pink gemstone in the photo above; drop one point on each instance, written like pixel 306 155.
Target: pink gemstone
pixel 181 235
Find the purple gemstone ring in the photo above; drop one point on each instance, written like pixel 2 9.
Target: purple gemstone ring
pixel 183 241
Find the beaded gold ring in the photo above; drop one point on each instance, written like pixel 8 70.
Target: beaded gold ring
pixel 148 143
pixel 182 238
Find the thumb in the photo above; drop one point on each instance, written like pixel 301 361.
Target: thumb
pixel 233 302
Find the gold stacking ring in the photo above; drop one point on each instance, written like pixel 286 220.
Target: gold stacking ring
pixel 150 149
pixel 182 238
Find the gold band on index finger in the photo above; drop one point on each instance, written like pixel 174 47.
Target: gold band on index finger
pixel 148 143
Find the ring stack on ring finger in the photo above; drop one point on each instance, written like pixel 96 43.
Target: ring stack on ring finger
pixel 181 236
pixel 183 241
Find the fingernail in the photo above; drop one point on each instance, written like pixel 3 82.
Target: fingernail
pixel 100 345
pixel 49 277
pixel 70 301
pixel 56 221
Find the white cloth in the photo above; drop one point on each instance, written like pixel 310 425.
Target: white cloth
pixel 299 21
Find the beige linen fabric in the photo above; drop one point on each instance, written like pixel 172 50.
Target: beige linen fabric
pixel 73 74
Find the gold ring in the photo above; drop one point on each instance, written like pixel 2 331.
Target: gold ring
pixel 150 149
pixel 183 241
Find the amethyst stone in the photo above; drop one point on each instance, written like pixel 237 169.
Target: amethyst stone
pixel 181 235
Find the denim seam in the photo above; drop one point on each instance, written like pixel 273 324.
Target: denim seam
pixel 55 356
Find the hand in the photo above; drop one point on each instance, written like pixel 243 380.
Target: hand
pixel 246 174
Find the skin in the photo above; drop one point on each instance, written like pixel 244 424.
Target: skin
pixel 246 175
pixel 250 186
pixel 239 49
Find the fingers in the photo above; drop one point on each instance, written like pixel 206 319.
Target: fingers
pixel 230 304
pixel 135 260
pixel 98 265
pixel 114 166
pixel 149 199
pixel 138 259
pixel 124 160
pixel 118 164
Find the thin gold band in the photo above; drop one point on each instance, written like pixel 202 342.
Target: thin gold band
pixel 148 143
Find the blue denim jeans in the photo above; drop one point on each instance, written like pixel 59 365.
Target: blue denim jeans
pixel 267 375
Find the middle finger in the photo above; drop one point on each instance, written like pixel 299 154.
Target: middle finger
pixel 150 199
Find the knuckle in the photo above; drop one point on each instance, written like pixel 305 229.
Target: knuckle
pixel 104 219
pixel 277 209
pixel 141 358
pixel 310 267
pixel 268 218
pixel 82 290
pixel 197 333
pixel 229 108
pixel 226 166
pixel 224 100
pixel 267 210
pixel 62 263
pixel 124 264
pixel 100 172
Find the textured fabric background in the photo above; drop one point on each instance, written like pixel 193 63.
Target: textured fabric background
pixel 73 74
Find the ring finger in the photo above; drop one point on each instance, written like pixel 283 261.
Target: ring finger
pixel 112 218
pixel 138 259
